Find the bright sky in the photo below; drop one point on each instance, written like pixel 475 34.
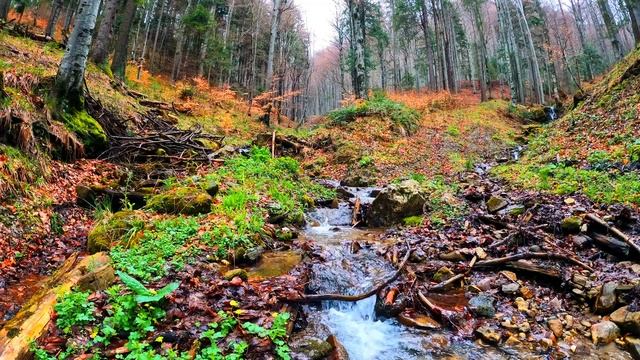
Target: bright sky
pixel 319 16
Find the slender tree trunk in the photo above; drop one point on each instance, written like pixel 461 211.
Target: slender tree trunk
pixel 68 18
pixel 4 9
pixel 100 50
pixel 180 40
pixel 535 68
pixel 70 78
pixel 120 56
pixel 157 34
pixel 275 23
pixel 56 9
pixel 633 6
pixel 424 23
pixel 612 28
pixel 577 15
pixel 147 30
pixel 357 14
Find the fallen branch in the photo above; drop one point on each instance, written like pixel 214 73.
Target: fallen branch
pixel 612 229
pixel 353 298
pixel 531 255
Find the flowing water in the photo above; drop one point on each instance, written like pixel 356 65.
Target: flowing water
pixel 364 334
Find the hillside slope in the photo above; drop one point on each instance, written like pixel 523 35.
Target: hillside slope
pixel 595 148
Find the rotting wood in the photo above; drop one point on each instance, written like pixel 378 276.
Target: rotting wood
pixel 353 298
pixel 615 231
pixel 31 321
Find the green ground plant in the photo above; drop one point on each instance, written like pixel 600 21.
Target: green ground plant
pixel 378 105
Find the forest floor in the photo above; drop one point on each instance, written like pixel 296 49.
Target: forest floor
pixel 517 251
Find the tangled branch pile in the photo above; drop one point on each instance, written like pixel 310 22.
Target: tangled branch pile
pixel 159 140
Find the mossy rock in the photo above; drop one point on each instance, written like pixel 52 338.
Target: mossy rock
pixel 88 130
pixel 182 200
pixel 571 225
pixel 119 227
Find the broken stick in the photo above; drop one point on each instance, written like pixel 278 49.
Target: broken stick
pixel 353 298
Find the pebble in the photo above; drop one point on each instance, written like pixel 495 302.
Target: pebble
pixel 555 325
pixel 511 288
pixel 489 334
pixel 522 304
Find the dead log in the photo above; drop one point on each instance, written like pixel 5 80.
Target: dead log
pixel 613 230
pixel 353 298
pixel 32 320
pixel 611 244
pixel 526 266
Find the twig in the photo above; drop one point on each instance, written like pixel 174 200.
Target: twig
pixel 353 298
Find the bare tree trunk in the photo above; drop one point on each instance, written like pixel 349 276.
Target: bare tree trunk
pixel 70 78
pixel 4 9
pixel 633 6
pixel 119 63
pixel 358 38
pixel 146 39
pixel 535 67
pixel 577 15
pixel 424 22
pixel 158 27
pixel 56 9
pixel 180 39
pixel 69 13
pixel 612 28
pixel 100 50
pixel 275 23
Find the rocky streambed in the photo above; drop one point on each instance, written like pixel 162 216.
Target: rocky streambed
pixel 521 275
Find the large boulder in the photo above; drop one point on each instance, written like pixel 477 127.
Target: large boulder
pixel 396 202
pixel 627 319
pixel 182 200
pixel 112 230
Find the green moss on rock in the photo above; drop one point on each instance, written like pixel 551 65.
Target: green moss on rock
pixel 182 200
pixel 123 226
pixel 88 130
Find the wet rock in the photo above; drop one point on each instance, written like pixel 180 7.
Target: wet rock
pixel 453 256
pixel 443 274
pixel 360 177
pixel 344 193
pixel 606 300
pixel 285 234
pixel 627 320
pixel 604 332
pixel 312 349
pixel 419 321
pixel 250 256
pixel 510 288
pixel 496 203
pixel 555 325
pixel 482 305
pixel 521 304
pixel 633 346
pixel 579 280
pixel 581 241
pixel 339 351
pixel 212 188
pixel 241 273
pixel 396 202
pixel 571 225
pixel 489 334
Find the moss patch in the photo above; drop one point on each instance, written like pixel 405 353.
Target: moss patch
pixel 182 200
pixel 88 130
pixel 121 228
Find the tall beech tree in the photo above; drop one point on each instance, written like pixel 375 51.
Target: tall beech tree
pixel 70 78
